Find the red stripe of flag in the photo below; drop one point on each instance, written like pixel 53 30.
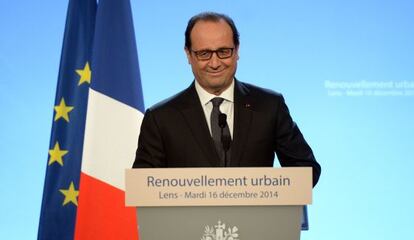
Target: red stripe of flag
pixel 106 217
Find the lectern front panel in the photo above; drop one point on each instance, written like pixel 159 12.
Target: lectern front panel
pixel 220 223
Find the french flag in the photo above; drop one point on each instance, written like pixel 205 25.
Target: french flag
pixel 113 119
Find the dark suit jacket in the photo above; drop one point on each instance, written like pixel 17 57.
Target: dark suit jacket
pixel 174 133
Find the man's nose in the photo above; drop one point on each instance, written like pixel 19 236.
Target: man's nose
pixel 214 61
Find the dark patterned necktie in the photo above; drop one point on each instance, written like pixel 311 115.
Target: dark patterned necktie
pixel 216 131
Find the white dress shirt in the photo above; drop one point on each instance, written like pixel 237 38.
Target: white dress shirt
pixel 226 107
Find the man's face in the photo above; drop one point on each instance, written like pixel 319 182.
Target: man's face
pixel 214 75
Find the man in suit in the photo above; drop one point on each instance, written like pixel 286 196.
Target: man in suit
pixel 219 121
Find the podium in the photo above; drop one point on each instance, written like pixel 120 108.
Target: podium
pixel 219 203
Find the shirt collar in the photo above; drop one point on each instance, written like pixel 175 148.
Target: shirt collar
pixel 205 96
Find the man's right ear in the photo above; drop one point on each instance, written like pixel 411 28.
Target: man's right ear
pixel 188 53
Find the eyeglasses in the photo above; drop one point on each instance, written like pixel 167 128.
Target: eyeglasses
pixel 221 53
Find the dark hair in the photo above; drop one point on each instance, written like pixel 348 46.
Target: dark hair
pixel 211 17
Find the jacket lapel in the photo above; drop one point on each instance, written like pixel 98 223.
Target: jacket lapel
pixel 242 121
pixel 196 120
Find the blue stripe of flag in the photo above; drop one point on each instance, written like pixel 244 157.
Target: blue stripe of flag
pixel 115 60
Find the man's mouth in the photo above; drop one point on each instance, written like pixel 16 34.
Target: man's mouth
pixel 215 73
